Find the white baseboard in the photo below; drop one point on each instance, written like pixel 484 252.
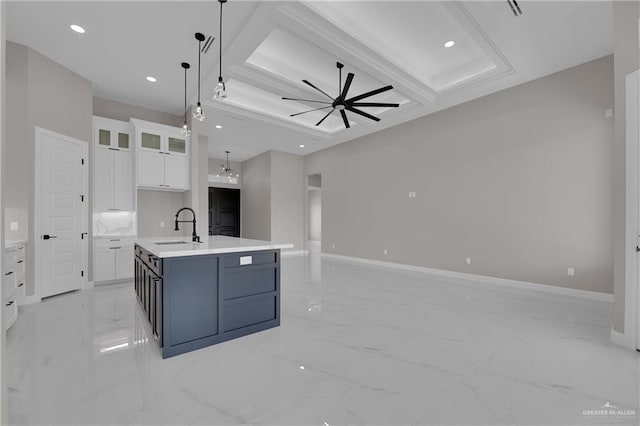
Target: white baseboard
pixel 30 300
pixel 592 295
pixel 622 339
pixel 294 253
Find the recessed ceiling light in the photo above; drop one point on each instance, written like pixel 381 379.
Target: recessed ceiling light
pixel 301 146
pixel 151 79
pixel 77 28
pixel 450 43
pixel 218 126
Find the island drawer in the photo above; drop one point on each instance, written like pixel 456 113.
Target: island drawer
pixel 246 313
pixel 250 258
pixel 244 283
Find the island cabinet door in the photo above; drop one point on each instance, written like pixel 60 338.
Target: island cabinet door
pixel 190 302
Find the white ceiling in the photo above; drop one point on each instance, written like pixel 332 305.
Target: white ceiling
pixel 269 47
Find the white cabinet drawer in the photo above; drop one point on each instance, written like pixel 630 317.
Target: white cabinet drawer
pixel 10 311
pixel 113 242
pixel 9 281
pixel 10 258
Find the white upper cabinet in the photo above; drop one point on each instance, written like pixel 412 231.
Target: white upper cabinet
pixel 113 171
pixel 163 157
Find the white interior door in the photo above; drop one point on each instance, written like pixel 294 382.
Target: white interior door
pixel 61 214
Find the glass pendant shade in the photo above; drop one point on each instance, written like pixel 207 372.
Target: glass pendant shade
pixel 220 90
pixel 198 113
pixel 185 130
pixel 185 127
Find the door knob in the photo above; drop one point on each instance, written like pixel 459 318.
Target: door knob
pixel 48 237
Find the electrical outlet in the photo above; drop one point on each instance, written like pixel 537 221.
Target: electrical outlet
pixel 468 261
pixel 161 224
pixel 13 226
pixel 571 272
pixel 385 251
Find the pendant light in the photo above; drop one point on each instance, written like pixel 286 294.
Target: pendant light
pixel 221 89
pixel 198 113
pixel 185 127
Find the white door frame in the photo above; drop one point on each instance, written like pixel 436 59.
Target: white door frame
pixel 40 132
pixel 631 335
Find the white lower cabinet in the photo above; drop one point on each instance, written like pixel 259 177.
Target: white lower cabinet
pixel 112 259
pixel 13 282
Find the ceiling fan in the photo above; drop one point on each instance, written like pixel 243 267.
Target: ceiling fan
pixel 342 103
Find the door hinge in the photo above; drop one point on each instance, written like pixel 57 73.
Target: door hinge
pixel 82 161
pixel 82 273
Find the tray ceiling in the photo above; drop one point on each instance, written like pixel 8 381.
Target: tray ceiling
pixel 270 47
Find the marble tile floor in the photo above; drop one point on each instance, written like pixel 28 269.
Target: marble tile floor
pixel 357 345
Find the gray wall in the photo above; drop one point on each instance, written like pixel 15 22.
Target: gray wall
pixel 520 181
pixel 160 206
pixel 121 111
pixel 47 95
pixel 287 199
pixel 255 198
pixel 273 198
pixel 626 60
pixel 3 91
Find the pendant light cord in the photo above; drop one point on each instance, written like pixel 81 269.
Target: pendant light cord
pixel 185 95
pixel 199 53
pixel 220 40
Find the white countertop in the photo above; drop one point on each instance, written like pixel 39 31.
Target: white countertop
pixel 216 244
pixel 13 243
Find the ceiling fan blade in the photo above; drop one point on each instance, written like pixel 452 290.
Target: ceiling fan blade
pixel 347 84
pixel 319 90
pixel 315 109
pixel 371 93
pixel 374 104
pixel 323 118
pixel 364 114
pixel 344 118
pixel 306 100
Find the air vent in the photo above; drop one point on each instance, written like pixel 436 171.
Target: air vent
pixel 207 44
pixel 515 8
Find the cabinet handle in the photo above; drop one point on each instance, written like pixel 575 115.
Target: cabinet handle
pixel 20 285
pixel 160 152
pixel 115 248
pixel 20 261
pixel 115 240
pixel 114 210
pixel 9 304
pixel 168 153
pixel 114 149
pixel 9 273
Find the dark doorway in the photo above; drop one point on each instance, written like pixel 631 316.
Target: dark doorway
pixel 224 212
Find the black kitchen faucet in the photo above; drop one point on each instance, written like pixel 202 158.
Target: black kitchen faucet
pixel 194 236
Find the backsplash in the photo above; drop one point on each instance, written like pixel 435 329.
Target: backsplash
pixel 114 223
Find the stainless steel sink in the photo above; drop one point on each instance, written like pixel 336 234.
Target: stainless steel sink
pixel 166 243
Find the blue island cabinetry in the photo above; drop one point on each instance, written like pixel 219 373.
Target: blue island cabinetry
pixel 194 301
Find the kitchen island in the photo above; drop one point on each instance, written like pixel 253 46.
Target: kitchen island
pixel 198 294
